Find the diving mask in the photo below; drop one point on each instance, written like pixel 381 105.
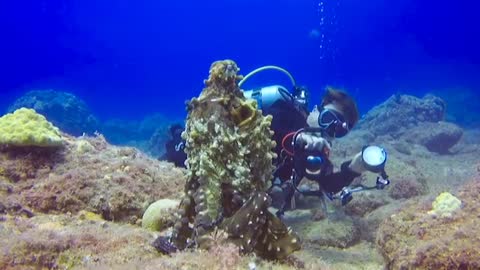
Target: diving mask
pixel 333 123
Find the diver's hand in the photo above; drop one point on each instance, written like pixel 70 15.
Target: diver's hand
pixel 357 164
pixel 312 142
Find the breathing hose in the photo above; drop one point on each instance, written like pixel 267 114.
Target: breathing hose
pixel 260 69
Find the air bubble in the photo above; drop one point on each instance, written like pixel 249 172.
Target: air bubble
pixel 327 28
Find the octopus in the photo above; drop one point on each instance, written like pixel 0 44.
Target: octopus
pixel 229 150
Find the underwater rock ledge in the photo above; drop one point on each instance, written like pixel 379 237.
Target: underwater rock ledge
pixel 84 173
pixel 414 238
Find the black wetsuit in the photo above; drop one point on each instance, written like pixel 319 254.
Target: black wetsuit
pixel 175 151
pixel 288 118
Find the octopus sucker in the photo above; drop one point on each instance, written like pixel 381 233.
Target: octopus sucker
pixel 264 240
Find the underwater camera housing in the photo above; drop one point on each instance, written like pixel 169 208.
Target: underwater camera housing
pixel 374 158
pixel 311 164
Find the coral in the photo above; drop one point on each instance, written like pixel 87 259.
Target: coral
pixel 414 239
pixel 25 127
pixel 229 148
pixel 64 110
pixel 158 215
pixel 445 204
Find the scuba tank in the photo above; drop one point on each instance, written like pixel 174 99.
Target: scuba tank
pixel 268 95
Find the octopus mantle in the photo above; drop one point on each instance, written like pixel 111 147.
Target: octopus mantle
pixel 229 149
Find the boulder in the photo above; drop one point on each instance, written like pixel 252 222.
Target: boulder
pixel 436 137
pixel 331 232
pixel 160 214
pixel 402 112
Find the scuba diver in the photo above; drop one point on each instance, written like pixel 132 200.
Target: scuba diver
pixel 310 148
pixel 304 141
pixel 174 147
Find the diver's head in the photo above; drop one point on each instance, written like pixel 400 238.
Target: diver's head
pixel 301 97
pixel 337 114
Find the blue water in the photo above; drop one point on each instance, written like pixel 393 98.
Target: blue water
pixel 128 59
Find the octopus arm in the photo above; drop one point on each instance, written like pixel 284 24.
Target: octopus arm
pixel 254 228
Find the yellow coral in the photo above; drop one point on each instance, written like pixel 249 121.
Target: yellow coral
pixel 25 127
pixel 445 204
pixel 87 215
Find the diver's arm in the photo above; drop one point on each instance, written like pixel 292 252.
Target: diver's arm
pixel 350 170
pixel 336 181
